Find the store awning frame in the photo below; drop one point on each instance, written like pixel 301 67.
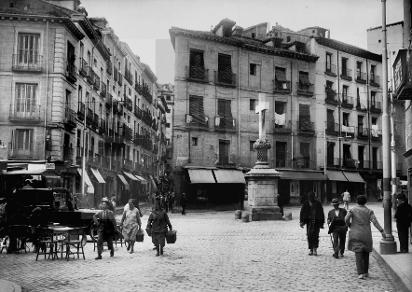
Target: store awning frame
pixel 201 176
pixel 336 175
pixel 354 177
pixel 123 180
pixel 141 179
pixel 89 188
pixel 229 176
pixel 301 175
pixel 98 176
pixel 130 176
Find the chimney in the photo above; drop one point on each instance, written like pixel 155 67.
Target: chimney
pixel 224 28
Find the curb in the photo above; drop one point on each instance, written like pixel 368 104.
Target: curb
pixel 400 284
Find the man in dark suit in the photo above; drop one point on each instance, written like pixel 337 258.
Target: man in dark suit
pixel 338 228
pixel 403 217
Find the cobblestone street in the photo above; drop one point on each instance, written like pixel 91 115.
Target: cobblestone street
pixel 213 252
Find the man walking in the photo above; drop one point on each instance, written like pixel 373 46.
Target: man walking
pixel 403 217
pixel 106 227
pixel 346 199
pixel 337 226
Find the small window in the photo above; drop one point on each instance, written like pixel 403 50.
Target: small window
pixel 288 38
pixel 252 69
pixel 167 125
pixel 251 145
pixel 379 41
pixel 168 97
pixel 194 141
pixel 252 104
pixel 253 35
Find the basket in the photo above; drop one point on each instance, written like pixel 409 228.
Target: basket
pixel 171 236
pixel 140 235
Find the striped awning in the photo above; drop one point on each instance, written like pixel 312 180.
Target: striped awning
pixel 98 176
pixel 89 188
pixel 124 181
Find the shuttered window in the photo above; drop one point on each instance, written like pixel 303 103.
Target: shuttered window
pixel 280 74
pixel 224 63
pixel 304 112
pixel 304 78
pixel 22 139
pixel 196 58
pixel 25 97
pixel 196 108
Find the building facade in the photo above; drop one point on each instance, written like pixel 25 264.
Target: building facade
pixel 166 92
pixel 72 91
pixel 218 76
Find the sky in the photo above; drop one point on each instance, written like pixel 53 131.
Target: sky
pixel 145 24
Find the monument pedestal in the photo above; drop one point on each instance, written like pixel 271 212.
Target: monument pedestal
pixel 262 183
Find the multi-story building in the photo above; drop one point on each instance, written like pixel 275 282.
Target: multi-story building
pixel 218 77
pixel 402 88
pixel 166 92
pixel 72 91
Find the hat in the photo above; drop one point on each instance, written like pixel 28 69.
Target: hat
pixel 335 201
pixel 105 200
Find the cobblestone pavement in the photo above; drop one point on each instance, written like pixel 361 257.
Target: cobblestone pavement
pixel 213 252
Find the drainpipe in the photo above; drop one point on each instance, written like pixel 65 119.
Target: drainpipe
pixel 291 112
pixel 47 89
pixel 339 111
pixel 238 104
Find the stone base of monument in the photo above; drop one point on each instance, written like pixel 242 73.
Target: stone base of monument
pixel 262 183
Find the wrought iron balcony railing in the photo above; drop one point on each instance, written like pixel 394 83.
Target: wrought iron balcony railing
pixel 27 62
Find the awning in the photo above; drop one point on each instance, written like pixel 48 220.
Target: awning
pixel 301 175
pixel 141 179
pixel 130 176
pixel 88 183
pixel 336 175
pixel 27 168
pixel 201 176
pixel 98 176
pixel 354 177
pixel 124 181
pixel 229 176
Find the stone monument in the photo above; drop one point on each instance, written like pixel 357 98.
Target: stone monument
pixel 262 181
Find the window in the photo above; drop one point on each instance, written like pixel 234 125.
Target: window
pixel 196 109
pixel 280 154
pixel 305 154
pixel 329 84
pixel 252 104
pixel 328 62
pixel 373 69
pixel 194 141
pixel 304 112
pixel 330 149
pixel 251 148
pixel 253 35
pixel 196 58
pixel 288 38
pixel 373 98
pixel 71 58
pixel 224 68
pixel 81 52
pixel 330 120
pixel 344 66
pixel 224 146
pixel 374 157
pixel 304 78
pixel 361 151
pixel 22 140
pixel 223 108
pixel 28 48
pixel 374 120
pixel 345 93
pixel 168 98
pixel 345 119
pixel 252 69
pixel 167 125
pixel 359 69
pixel 280 114
pixel 280 74
pixel 25 97
pixel 347 156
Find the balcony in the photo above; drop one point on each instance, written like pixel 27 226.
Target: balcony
pixel 128 103
pixel 197 74
pixel 360 107
pixel 304 162
pixel 117 108
pixel 225 124
pixel 363 133
pixel 70 72
pixel 109 67
pixel 374 80
pixel 109 100
pixel 306 128
pixel 138 112
pixel 225 78
pixel 285 129
pixel 27 62
pixel 331 70
pixel 96 83
pixel 89 118
pixel 68 154
pixel 282 87
pixel 346 75
pixel 349 163
pixel 347 102
pixel 128 165
pixel 360 77
pixel 103 126
pixel 376 133
pixel 90 75
pixel 81 109
pixel 332 128
pixel 376 107
pixel 348 131
pixel 116 74
pixel 146 93
pixel 128 77
pixel 198 122
pixel 305 89
pixel 95 123
pixel 138 88
pixel 119 78
pixel 84 68
pixel 331 96
pixel 103 90
pixel 69 118
pixel 14 153
pixel 128 133
pixel 25 113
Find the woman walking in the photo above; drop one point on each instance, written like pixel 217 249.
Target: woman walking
pixel 359 220
pixel 158 222
pixel 130 225
pixel 311 215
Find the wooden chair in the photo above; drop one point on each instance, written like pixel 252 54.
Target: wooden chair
pixel 45 244
pixel 76 241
